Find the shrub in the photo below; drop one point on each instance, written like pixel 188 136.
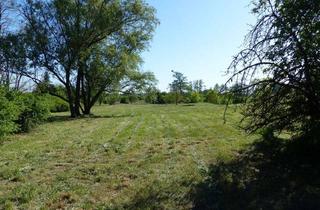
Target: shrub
pixel 124 100
pixel 151 95
pixel 161 98
pixel 60 106
pixel 195 97
pixel 212 97
pixel 34 110
pixel 9 112
pixel 112 99
pixel 21 111
pixel 132 98
pixel 225 99
pixel 57 104
pixel 170 98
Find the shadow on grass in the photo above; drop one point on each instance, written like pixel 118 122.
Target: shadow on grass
pixel 274 174
pixel 68 118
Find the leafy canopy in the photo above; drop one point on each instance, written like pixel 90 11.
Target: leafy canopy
pixel 280 66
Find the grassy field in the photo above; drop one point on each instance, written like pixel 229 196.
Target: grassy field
pixel 126 157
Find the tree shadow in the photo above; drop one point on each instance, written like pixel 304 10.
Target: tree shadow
pixel 273 174
pixel 64 118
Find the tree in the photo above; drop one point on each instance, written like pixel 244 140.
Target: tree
pixel 87 45
pixel 179 85
pixel 44 86
pixel 239 94
pixel 137 82
pixel 12 60
pixel 12 53
pixel 151 95
pixel 212 96
pixel 218 88
pixel 5 21
pixel 280 66
pixel 198 86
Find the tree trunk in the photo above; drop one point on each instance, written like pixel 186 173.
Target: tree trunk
pixel 71 102
pixel 176 97
pixel 78 92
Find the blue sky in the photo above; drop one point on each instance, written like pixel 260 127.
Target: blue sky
pixel 197 38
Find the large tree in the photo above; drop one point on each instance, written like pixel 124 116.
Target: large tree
pixel 280 66
pixel 87 45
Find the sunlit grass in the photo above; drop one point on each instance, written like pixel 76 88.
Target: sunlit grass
pixel 126 157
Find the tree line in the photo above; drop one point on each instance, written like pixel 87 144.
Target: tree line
pixel 180 91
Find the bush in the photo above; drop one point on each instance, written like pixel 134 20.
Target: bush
pixel 57 104
pixel 225 99
pixel 212 97
pixel 9 112
pixel 195 97
pixel 33 110
pixel 132 98
pixel 111 99
pixel 21 111
pixel 161 98
pixel 170 98
pixel 124 100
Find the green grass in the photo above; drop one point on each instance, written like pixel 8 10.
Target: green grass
pixel 127 157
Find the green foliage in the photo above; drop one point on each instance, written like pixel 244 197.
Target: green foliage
pixel 215 97
pixel 195 97
pixel 112 98
pixel 212 96
pixel 151 95
pixel 124 99
pixel 197 86
pixel 102 43
pixel 21 111
pixel 280 67
pixel 133 98
pixel 179 86
pixel 57 104
pixel 9 113
pixel 12 58
pixel 161 98
pixel 170 98
pixel 34 109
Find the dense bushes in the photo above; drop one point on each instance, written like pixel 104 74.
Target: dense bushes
pixel 57 104
pixel 208 96
pixel 170 98
pixel 215 97
pixel 19 112
pixel 195 97
pixel 9 113
pixel 33 110
pixel 111 99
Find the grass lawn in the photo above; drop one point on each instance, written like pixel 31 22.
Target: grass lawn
pixel 126 157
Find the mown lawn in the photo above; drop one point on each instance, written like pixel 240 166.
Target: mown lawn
pixel 126 157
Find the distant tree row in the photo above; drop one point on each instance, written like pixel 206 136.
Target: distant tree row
pixel 180 91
